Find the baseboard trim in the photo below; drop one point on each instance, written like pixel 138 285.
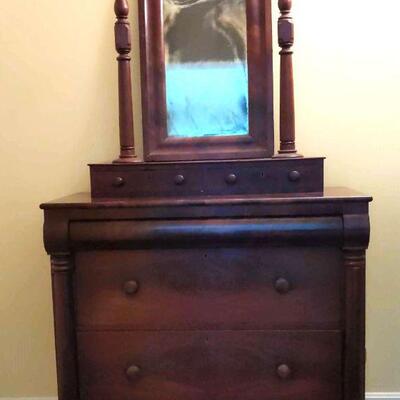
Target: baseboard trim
pixel 28 398
pixel 369 396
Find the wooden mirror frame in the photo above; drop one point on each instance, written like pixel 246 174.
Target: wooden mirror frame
pixel 258 143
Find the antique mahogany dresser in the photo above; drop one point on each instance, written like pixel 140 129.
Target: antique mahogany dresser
pixel 214 268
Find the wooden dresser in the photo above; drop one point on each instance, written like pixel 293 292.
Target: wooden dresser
pixel 203 273
pixel 240 298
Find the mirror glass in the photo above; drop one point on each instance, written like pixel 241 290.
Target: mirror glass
pixel 206 67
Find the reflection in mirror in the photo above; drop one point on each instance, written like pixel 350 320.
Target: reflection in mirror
pixel 206 67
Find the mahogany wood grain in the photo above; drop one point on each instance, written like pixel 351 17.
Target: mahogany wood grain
pixel 123 44
pixel 209 288
pixel 181 179
pixel 204 365
pixel 64 326
pixel 70 222
pixel 157 145
pixel 349 202
pixel 212 233
pixel 355 355
pixel 287 107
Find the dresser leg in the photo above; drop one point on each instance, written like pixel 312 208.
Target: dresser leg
pixel 63 306
pixel 354 367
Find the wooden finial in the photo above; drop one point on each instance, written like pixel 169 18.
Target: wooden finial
pixel 123 45
pixel 285 26
pixel 287 109
pixel 285 5
pixel 121 8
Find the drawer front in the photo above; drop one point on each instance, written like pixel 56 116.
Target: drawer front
pixel 224 365
pixel 203 179
pixel 241 288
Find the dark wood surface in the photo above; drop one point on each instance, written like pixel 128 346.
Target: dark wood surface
pixel 205 365
pixel 330 195
pixel 250 232
pixel 182 179
pixel 157 145
pixel 287 108
pixel 64 327
pixel 209 288
pixel 167 299
pixel 354 372
pixel 123 44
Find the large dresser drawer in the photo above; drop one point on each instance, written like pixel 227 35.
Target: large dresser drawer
pixel 210 365
pixel 226 288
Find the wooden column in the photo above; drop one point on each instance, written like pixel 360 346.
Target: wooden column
pixel 123 44
pixel 356 239
pixel 354 363
pixel 63 306
pixel 287 109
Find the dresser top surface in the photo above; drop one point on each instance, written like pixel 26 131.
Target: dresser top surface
pixel 330 194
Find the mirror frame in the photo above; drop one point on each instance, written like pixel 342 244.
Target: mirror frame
pixel 158 146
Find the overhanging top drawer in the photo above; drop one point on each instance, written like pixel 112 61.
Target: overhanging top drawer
pixel 269 231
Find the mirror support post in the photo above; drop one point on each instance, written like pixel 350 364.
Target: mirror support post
pixel 287 108
pixel 123 44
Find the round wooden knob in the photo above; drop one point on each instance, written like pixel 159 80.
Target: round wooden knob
pixel 118 182
pixel 231 179
pixel 132 372
pixel 131 287
pixel 179 180
pixel 282 286
pixel 294 176
pixel 284 371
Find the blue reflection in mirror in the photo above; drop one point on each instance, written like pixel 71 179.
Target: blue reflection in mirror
pixel 206 68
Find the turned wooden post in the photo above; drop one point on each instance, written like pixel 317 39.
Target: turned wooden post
pixel 123 45
pixel 354 363
pixel 356 239
pixel 63 308
pixel 287 111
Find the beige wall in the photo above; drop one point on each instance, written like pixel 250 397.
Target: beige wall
pixel 58 112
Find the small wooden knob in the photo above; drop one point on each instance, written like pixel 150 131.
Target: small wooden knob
pixel 131 287
pixel 231 179
pixel 179 180
pixel 118 182
pixel 284 371
pixel 132 372
pixel 282 286
pixel 294 176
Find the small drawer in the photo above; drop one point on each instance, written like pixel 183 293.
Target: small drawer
pixel 226 288
pixel 251 177
pixel 147 181
pixel 255 179
pixel 224 365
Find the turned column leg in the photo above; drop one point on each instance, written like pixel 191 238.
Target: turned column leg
pixel 123 45
pixel 354 365
pixel 287 108
pixel 63 305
